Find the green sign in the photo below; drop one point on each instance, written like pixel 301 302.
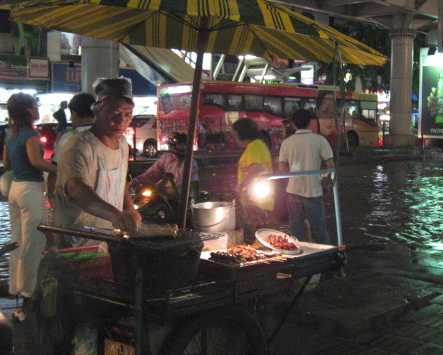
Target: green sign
pixel 21 67
pixel 13 67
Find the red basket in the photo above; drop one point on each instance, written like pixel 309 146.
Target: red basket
pixel 87 262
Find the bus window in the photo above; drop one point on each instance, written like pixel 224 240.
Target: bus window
pixel 182 102
pixel 253 103
pixel 235 103
pixel 369 112
pixel 310 106
pixel 272 104
pixel 213 99
pixel 352 109
pixel 290 106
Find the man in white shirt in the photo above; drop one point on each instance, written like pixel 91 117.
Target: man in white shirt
pixel 91 179
pixel 305 151
pixel 82 118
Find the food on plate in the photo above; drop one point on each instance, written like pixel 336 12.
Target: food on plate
pixel 237 254
pixel 280 242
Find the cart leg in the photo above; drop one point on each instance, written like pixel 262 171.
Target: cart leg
pixel 289 310
pixel 143 346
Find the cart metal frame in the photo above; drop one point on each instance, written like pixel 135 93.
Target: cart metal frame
pixel 206 295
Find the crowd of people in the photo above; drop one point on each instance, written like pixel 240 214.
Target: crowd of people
pixel 87 178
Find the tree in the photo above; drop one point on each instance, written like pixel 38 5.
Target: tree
pixel 373 78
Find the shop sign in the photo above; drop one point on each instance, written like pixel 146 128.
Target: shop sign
pixel 431 95
pixel 68 79
pixel 38 68
pixel 21 67
pixel 13 67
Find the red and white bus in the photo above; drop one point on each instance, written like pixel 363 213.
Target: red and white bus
pixel 222 103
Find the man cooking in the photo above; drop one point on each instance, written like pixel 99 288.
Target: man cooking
pixel 91 181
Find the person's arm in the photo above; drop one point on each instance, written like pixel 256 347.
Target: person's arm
pixel 50 185
pixel 36 160
pixel 194 171
pixel 283 167
pixel 330 163
pixel 128 205
pixel 6 164
pixel 84 196
pixel 327 178
pixel 252 171
pixel 151 176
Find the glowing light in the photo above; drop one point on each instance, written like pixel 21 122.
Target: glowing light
pixel 265 77
pixel 261 189
pixel 179 89
pixel 147 193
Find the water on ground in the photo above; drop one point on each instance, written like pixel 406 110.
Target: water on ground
pixel 389 202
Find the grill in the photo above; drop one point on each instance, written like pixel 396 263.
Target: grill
pixel 167 262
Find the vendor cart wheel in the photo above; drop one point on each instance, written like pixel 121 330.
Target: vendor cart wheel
pixel 225 331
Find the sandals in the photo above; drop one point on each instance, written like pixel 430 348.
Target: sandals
pixel 19 315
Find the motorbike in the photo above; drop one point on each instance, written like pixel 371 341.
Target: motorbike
pixel 160 203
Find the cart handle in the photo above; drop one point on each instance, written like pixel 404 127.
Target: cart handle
pixel 82 234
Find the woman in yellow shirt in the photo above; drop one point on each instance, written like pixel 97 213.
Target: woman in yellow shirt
pixel 254 211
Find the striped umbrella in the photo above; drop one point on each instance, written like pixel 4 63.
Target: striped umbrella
pixel 237 27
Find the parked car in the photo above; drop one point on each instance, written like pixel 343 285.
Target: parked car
pixel 48 135
pixel 143 131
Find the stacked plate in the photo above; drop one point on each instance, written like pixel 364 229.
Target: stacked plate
pixel 278 241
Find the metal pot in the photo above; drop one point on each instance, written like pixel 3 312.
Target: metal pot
pixel 213 216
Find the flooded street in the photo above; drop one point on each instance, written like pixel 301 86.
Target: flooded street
pixel 390 202
pixel 393 202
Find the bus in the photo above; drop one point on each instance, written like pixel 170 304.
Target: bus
pixel 222 103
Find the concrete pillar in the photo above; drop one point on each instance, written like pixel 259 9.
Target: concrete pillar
pixel 53 47
pixel 100 58
pixel 402 42
pixel 440 27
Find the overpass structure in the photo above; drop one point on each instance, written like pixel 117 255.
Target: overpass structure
pixel 403 19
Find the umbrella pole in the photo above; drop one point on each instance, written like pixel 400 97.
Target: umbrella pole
pixel 184 196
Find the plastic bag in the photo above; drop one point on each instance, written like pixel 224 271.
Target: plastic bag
pixel 85 340
pixel 5 182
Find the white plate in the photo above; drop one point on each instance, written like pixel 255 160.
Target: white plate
pixel 262 235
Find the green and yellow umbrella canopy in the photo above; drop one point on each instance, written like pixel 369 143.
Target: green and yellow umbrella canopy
pixel 237 27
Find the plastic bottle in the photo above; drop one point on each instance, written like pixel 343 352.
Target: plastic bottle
pixel 439 115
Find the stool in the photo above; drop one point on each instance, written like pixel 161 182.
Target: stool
pixel 6 344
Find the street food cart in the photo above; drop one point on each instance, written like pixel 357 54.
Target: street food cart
pixel 177 303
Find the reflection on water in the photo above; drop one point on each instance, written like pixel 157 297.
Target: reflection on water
pixel 392 202
pixel 4 238
pixel 398 202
